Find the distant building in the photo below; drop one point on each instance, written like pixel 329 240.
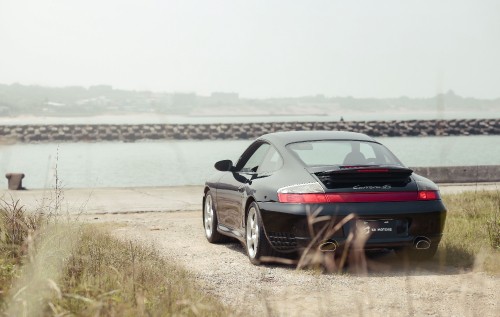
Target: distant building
pixel 224 98
pixel 184 99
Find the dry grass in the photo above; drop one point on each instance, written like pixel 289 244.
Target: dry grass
pixel 16 228
pixel 66 268
pixel 106 276
pixel 472 230
pixel 16 225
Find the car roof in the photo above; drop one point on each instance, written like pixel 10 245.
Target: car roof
pixel 287 137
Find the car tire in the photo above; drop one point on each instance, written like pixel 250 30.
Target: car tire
pixel 257 245
pixel 210 221
pixel 416 255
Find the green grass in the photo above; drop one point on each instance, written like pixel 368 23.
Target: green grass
pixel 472 231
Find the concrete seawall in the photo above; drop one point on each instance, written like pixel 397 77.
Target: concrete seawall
pixel 131 133
pixel 461 174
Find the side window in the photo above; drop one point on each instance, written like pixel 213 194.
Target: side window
pixel 272 162
pixel 254 161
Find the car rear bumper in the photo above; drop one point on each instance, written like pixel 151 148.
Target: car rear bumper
pixel 291 227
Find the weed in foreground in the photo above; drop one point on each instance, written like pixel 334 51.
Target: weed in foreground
pixel 42 267
pixel 50 267
pixel 107 276
pixel 16 224
pixel 332 258
pixel 82 270
pixel 321 230
pixel 17 228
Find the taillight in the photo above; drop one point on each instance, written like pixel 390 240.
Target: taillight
pixel 428 195
pixel 313 193
pixel 309 193
pixel 302 198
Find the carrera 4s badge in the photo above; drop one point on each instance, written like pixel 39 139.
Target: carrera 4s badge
pixel 372 187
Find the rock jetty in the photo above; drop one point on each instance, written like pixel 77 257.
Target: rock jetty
pixel 136 132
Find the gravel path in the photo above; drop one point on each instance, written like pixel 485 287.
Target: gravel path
pixel 389 288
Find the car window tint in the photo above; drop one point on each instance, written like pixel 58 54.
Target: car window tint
pixel 367 150
pixel 256 158
pixel 272 162
pixel 321 153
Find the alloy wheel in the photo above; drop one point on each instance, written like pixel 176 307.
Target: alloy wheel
pixel 252 230
pixel 208 216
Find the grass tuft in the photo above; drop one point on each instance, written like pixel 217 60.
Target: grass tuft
pixel 108 276
pixel 16 224
pixel 51 267
pixel 493 226
pixel 16 229
pixel 472 230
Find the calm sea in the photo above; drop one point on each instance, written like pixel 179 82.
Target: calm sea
pixel 164 163
pixel 178 119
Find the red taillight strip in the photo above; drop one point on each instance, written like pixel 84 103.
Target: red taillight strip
pixel 364 197
pixel 302 198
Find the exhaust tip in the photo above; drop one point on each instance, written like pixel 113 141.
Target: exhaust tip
pixel 422 243
pixel 328 246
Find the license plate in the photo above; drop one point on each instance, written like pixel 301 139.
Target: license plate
pixel 377 228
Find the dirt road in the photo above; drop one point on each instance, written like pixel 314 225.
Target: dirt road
pixel 389 289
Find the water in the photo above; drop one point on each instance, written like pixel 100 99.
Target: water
pixel 167 163
pixel 158 118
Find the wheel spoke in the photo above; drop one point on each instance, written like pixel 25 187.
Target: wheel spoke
pixel 208 215
pixel 252 233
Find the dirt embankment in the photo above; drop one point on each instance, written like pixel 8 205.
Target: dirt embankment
pixel 390 288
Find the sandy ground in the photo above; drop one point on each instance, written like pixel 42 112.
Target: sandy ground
pixel 170 219
pixel 390 287
pixel 111 200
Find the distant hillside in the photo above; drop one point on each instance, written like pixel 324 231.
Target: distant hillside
pixel 19 99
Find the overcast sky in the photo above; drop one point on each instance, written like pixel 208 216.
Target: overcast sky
pixel 263 48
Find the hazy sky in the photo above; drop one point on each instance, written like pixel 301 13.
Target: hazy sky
pixel 263 48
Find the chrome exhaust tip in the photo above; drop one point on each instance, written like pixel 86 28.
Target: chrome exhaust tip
pixel 422 243
pixel 328 246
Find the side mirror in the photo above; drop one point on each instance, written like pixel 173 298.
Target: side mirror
pixel 224 165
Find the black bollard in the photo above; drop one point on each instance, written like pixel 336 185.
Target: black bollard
pixel 15 181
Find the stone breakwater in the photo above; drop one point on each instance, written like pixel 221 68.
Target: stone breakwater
pixel 131 133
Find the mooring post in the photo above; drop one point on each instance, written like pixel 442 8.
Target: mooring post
pixel 15 181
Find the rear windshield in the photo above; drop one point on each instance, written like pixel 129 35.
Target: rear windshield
pixel 340 152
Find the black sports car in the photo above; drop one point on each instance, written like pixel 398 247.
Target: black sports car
pixel 317 189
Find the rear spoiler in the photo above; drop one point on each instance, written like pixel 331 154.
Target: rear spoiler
pixel 367 173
